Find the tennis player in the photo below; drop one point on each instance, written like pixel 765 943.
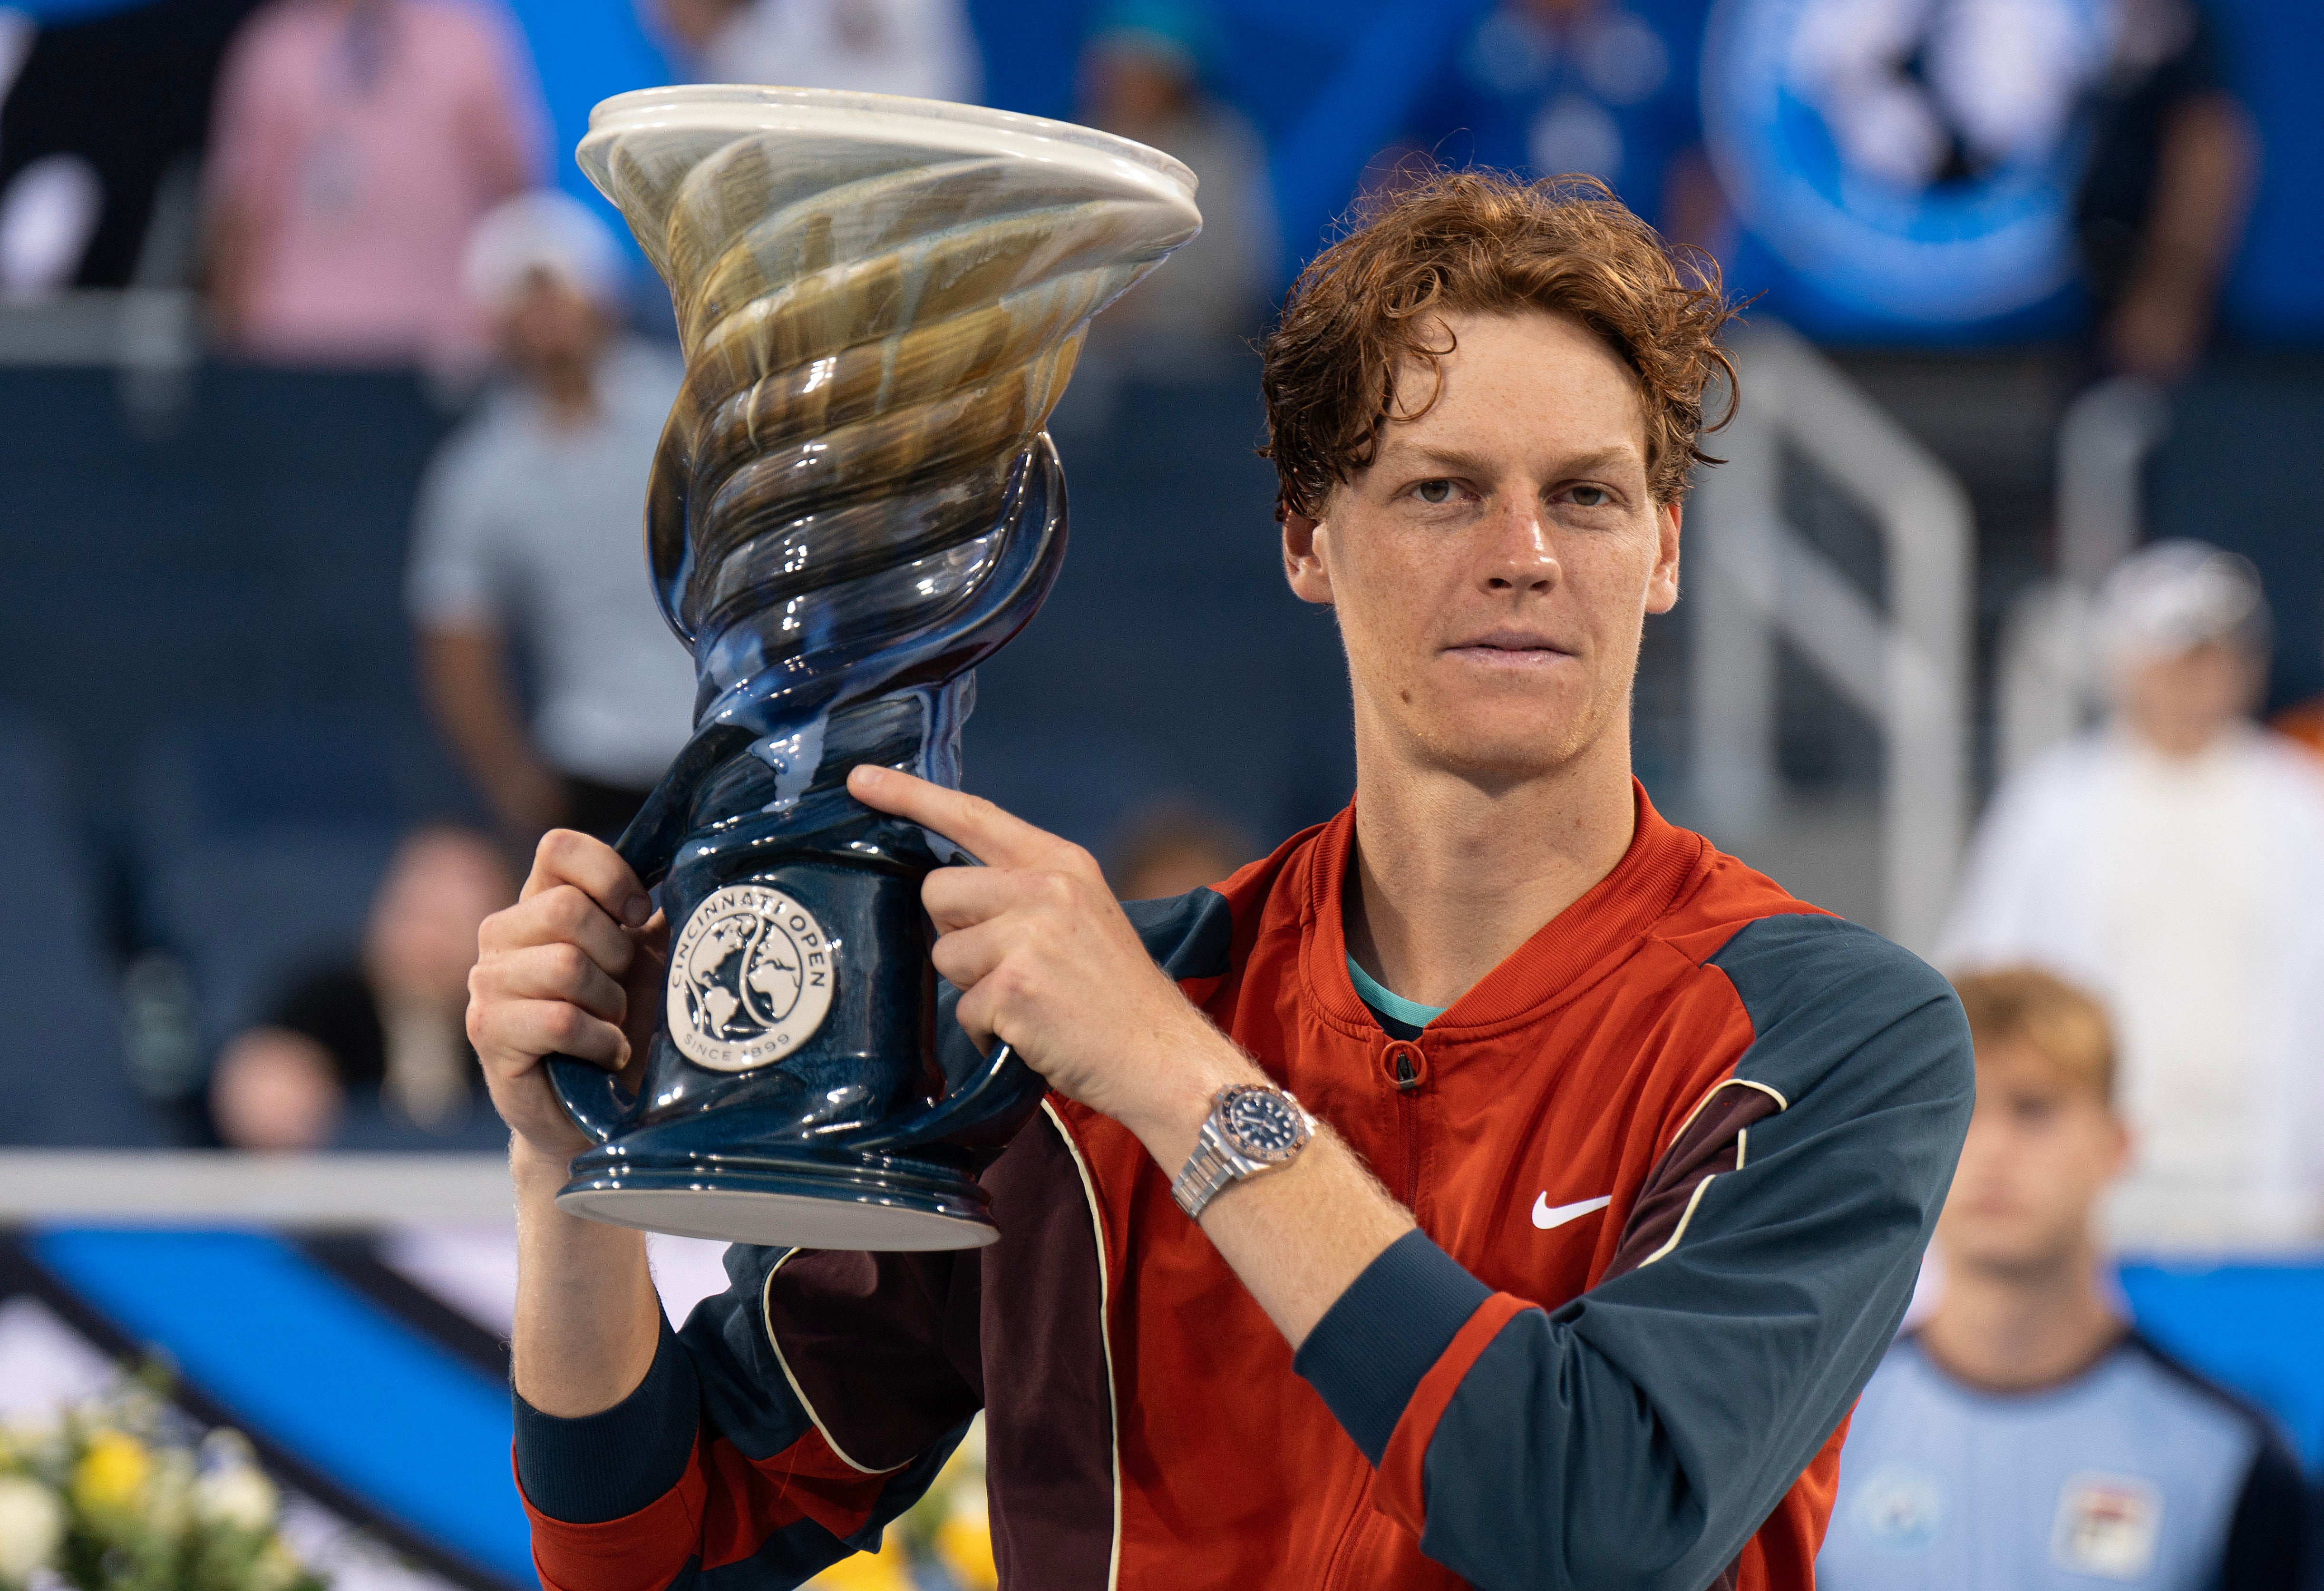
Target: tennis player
pixel 1495 1185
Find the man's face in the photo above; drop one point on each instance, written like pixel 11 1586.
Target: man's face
pixel 2180 702
pixel 551 322
pixel 421 937
pixel 1493 567
pixel 2041 1150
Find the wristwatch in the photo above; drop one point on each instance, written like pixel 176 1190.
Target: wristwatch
pixel 1251 1129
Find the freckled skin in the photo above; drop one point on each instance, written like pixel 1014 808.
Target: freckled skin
pixel 1515 511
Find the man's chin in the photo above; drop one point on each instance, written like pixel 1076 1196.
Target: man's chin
pixel 1507 748
pixel 2011 1256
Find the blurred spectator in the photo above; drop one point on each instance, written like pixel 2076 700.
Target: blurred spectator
pixel 390 1024
pixel 528 522
pixel 2164 195
pixel 357 142
pixel 1173 845
pixel 2024 1435
pixel 1600 87
pixel 2172 861
pixel 920 48
pixel 1141 77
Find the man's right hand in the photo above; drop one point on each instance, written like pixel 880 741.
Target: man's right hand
pixel 572 968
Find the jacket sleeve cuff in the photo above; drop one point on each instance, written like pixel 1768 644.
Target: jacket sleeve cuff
pixel 610 1465
pixel 1368 1354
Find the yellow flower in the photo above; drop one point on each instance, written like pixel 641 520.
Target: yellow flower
pixel 964 1543
pixel 112 1474
pixel 887 1570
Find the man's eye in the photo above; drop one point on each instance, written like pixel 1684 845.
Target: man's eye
pixel 1434 491
pixel 1591 496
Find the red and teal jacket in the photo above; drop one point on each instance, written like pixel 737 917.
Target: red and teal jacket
pixel 1673 1164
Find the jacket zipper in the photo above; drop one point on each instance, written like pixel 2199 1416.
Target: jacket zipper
pixel 1407 1106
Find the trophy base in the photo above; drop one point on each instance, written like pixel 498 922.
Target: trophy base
pixel 873 1203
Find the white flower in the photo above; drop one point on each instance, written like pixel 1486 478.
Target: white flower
pixel 31 1525
pixel 236 1494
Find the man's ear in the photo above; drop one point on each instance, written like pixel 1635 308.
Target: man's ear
pixel 1302 556
pixel 1662 585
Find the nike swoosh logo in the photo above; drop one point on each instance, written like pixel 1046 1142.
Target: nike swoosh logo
pixel 1547 1215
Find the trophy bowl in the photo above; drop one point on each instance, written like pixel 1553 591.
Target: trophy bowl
pixel 880 301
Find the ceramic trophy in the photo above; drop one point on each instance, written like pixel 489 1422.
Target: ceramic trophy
pixel 880 301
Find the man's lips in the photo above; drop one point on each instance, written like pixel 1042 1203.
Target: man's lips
pixel 1509 646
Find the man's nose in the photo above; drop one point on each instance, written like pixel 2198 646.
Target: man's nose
pixel 1519 554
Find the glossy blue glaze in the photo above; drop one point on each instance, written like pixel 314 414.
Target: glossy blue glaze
pixel 863 1110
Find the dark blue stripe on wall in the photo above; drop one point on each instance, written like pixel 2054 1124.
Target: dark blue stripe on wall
pixel 309 1365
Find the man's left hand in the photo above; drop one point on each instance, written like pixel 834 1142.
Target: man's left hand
pixel 1046 962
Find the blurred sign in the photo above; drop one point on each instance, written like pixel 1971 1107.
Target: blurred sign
pixel 1906 159
pixel 349 1312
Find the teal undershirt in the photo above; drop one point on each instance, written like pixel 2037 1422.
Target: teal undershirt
pixel 1412 1013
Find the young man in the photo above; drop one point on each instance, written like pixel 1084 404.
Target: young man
pixel 1595 1233
pixel 2171 862
pixel 2025 1437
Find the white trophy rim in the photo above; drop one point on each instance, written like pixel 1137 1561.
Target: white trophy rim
pixel 972 129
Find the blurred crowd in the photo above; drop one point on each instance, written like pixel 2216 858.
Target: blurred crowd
pixel 371 190
pixel 370 183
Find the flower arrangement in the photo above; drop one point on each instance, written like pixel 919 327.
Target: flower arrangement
pixel 118 1494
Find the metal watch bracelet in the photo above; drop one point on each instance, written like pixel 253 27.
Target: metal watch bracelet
pixel 1216 1164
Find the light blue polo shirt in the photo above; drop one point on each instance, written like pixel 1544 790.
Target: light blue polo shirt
pixel 2137 1473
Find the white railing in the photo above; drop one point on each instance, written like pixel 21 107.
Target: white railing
pixel 169 1188
pixel 2046 686
pixel 1904 661
pixel 149 337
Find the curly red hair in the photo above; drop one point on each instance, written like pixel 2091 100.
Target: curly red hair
pixel 1479 241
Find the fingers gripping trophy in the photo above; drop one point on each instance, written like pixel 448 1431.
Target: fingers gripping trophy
pixel 880 301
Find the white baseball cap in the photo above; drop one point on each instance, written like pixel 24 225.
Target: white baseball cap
pixel 2180 593
pixel 543 230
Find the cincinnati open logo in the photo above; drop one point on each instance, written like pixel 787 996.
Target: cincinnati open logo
pixel 1908 157
pixel 750 978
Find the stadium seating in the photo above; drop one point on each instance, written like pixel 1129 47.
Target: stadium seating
pixel 62 1071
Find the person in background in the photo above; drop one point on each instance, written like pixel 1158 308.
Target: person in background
pixel 2173 862
pixel 357 144
pixel 1606 89
pixel 1141 77
pixel 2160 211
pixel 1174 844
pixel 528 522
pixel 923 48
pixel 2026 1436
pixel 387 1024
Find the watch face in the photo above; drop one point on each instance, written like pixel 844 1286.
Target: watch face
pixel 1263 1125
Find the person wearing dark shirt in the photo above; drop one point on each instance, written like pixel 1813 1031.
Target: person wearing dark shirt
pixel 385 1025
pixel 2026 1436
pixel 2163 200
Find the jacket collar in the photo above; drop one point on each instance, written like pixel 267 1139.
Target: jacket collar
pixel 1566 956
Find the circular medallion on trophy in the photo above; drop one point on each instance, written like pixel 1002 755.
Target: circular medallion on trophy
pixel 750 978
